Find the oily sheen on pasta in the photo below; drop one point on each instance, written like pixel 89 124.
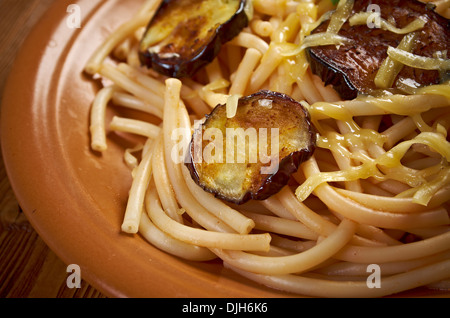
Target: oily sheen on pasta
pixel 376 190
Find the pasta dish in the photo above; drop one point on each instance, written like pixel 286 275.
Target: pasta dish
pixel 365 213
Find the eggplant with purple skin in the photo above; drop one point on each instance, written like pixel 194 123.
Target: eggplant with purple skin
pixel 352 67
pixel 185 35
pixel 251 153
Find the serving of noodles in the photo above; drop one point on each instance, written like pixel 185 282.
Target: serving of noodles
pixel 374 199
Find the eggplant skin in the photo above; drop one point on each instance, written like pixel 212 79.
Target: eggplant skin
pixel 191 40
pixel 352 68
pixel 297 142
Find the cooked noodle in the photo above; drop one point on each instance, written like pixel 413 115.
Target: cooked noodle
pixel 376 191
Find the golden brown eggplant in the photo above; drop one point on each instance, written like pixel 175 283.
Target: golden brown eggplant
pixel 352 67
pixel 250 149
pixel 185 35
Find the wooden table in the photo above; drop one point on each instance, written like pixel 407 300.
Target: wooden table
pixel 28 268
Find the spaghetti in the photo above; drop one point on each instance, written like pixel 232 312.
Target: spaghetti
pixel 376 191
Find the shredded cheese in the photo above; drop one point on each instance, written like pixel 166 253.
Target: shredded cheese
pixel 363 17
pixel 389 69
pixel 392 161
pixel 340 16
pixel 417 61
pixel 318 39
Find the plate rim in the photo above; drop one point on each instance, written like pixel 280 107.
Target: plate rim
pixel 208 284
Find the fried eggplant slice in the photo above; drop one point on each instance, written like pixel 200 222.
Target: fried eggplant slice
pixel 185 35
pixel 352 68
pixel 251 154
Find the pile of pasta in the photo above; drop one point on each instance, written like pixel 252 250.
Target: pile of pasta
pixel 376 190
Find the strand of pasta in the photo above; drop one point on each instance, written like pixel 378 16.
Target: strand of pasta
pixel 375 235
pixel 271 7
pixel 115 38
pixel 192 99
pixel 269 62
pixel 126 83
pixel 305 215
pixel 162 184
pixel 292 263
pixel 135 126
pixel 319 224
pixel 131 160
pixel 328 93
pixel 97 118
pixel 328 288
pixel 281 226
pixel 170 245
pixel 210 96
pixel 244 70
pixel 395 253
pixel 394 187
pixel 261 27
pixel 308 89
pixel 152 84
pixel 132 102
pixel 248 40
pixel 287 30
pixel 390 268
pixel 201 237
pixel 135 203
pixel 274 205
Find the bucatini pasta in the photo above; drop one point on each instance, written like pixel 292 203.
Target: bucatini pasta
pixel 375 192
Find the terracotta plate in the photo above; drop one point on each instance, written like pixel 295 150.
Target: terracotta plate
pixel 74 198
